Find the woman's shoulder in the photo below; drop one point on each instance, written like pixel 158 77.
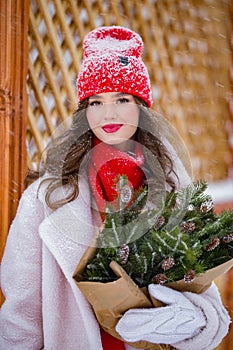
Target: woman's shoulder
pixel 29 197
pixel 33 190
pixel 39 188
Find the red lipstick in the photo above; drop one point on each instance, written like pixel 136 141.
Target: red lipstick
pixel 110 128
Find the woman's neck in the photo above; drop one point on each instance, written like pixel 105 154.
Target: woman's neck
pixel 127 146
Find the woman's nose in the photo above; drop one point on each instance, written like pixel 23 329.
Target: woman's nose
pixel 110 111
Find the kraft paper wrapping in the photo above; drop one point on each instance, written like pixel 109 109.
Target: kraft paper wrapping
pixel 110 300
pixel 202 282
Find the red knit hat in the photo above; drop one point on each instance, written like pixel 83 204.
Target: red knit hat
pixel 113 63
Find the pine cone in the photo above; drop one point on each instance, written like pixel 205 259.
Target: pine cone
pixel 206 206
pixel 123 253
pixel 188 227
pixel 212 245
pixel 189 276
pixel 161 278
pixel 228 238
pixel 126 194
pixel 160 222
pixel 168 263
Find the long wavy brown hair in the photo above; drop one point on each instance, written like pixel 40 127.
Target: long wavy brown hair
pixel 65 154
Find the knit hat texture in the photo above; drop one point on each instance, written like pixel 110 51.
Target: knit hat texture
pixel 112 62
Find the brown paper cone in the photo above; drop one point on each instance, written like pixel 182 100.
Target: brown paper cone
pixel 112 299
pixel 202 282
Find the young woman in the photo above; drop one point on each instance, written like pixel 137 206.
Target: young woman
pixel 113 132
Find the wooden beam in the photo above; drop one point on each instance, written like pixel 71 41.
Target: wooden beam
pixel 13 109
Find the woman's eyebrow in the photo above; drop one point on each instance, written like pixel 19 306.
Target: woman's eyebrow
pixel 118 94
pixel 94 96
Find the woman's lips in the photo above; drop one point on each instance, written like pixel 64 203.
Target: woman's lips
pixel 109 128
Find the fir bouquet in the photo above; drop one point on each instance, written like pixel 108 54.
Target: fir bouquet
pixel 184 245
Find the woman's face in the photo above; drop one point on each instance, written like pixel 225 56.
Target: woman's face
pixel 113 117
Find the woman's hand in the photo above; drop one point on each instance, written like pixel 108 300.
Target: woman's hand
pixel 178 320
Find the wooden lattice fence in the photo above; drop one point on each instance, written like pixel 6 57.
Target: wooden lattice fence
pixel 187 51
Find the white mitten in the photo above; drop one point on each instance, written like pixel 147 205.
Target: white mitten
pixel 217 321
pixel 179 320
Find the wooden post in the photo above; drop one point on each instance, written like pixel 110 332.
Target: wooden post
pixel 13 109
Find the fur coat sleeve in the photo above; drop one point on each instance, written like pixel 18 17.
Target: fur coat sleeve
pixel 20 315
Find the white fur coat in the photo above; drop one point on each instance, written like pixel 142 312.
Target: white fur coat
pixel 44 308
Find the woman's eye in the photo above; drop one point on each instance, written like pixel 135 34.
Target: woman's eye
pixel 94 103
pixel 123 100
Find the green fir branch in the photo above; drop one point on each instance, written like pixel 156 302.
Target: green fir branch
pixel 162 247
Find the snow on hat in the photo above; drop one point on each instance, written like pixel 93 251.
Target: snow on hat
pixel 113 63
